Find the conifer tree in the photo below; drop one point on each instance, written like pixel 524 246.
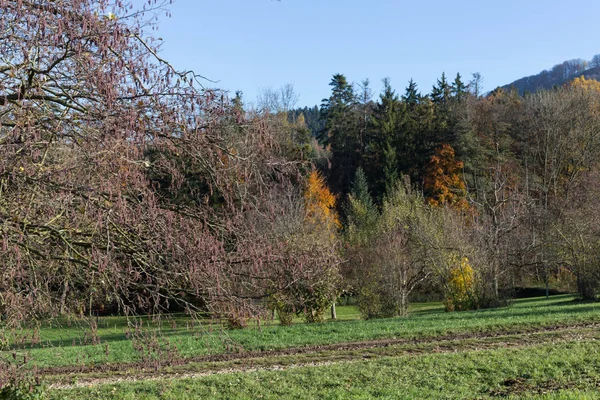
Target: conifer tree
pixel 361 211
pixel 390 167
pixel 440 93
pixel 411 95
pixel 341 133
pixel 387 123
pixel 360 188
pixel 459 89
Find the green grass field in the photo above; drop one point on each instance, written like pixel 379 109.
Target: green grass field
pixel 571 371
pixel 535 347
pixel 66 346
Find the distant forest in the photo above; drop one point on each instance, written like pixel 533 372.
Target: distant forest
pixel 522 167
pixel 559 75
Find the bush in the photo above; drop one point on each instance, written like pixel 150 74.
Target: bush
pixel 369 303
pixel 461 285
pixel 285 310
pixel 23 390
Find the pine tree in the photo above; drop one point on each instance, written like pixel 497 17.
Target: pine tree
pixel 390 168
pixel 387 123
pixel 238 102
pixel 418 139
pixel 361 211
pixel 301 137
pixel 366 110
pixel 360 188
pixel 341 133
pixel 411 95
pixel 441 92
pixel 459 89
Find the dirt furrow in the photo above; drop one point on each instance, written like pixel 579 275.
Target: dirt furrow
pixel 64 378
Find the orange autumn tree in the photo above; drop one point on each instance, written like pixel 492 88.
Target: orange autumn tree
pixel 320 202
pixel 443 183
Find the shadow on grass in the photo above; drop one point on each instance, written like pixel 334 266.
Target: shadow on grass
pixel 79 340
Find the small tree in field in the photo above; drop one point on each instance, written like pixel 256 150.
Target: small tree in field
pixel 461 285
pixel 394 255
pixel 311 239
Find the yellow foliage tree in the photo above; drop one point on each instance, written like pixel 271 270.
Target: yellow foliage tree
pixel 320 202
pixel 591 89
pixel 586 84
pixel 460 285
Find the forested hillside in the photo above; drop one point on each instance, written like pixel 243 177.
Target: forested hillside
pixel 559 75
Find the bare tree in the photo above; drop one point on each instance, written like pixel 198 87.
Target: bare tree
pixel 564 149
pixel 390 257
pixel 274 101
pixel 122 180
pixel 475 85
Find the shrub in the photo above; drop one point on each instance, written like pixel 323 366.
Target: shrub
pixel 461 285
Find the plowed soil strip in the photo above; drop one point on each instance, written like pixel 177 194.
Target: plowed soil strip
pixel 315 355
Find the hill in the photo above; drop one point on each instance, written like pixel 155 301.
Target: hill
pixel 558 75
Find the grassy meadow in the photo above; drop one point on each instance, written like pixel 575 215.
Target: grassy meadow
pixel 535 348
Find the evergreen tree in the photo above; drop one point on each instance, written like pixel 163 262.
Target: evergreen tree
pixel 366 110
pixel 441 92
pixel 459 89
pixel 387 122
pixel 390 167
pixel 301 137
pixel 360 188
pixel 238 102
pixel 441 96
pixel 361 211
pixel 411 95
pixel 424 138
pixel 341 133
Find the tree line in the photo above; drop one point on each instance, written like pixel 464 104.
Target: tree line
pixel 495 190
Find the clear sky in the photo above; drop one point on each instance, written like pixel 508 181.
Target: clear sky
pixel 253 44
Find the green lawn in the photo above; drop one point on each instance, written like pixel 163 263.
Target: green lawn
pixel 66 346
pixel 571 370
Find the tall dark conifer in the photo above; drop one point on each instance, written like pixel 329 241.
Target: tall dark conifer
pixel 441 92
pixel 459 89
pixel 341 133
pixel 387 123
pixel 411 95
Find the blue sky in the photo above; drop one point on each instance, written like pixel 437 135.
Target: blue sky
pixel 253 44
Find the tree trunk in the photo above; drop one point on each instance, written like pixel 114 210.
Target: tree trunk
pixel 403 303
pixel 63 297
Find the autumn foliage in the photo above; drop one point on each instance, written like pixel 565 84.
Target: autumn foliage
pixel 320 202
pixel 443 182
pixel 586 84
pixel 460 285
